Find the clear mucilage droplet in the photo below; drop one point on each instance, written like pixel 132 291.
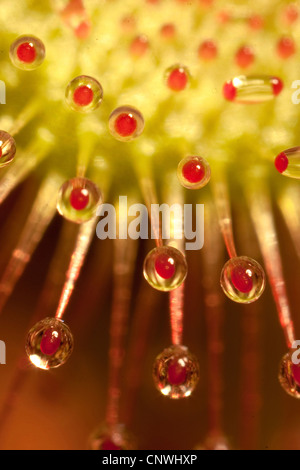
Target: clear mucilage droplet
pixel 84 94
pixel 78 200
pixel 165 268
pixel 49 344
pixel 193 172
pixel 289 376
pixel 7 148
pixel 252 89
pixel 243 280
pixel 27 52
pixel 177 77
pixel 176 372
pixel 111 438
pixel 126 123
pixel 288 162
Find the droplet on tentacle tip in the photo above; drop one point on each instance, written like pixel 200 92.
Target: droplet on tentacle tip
pixel 126 123
pixel 78 200
pixel 177 77
pixel 208 50
pixel 139 46
pixel 27 52
pixel 111 438
pixel 245 57
pixel 7 148
pixel 168 31
pixel 255 22
pixel 288 162
pixel 286 47
pixel 49 344
pixel 165 268
pixel 128 23
pixel 289 376
pixel 243 279
pixel 193 172
pixel 291 13
pixel 176 372
pixel 84 94
pixel 252 89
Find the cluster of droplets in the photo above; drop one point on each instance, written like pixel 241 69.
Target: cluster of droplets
pixel 176 370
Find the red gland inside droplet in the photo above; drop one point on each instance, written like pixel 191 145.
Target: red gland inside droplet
pixel 286 47
pixel 177 79
pixel 79 198
pixel 208 50
pixel 244 57
pixel 168 31
pixel 26 52
pixel 1 152
pixel 83 95
pixel 139 46
pixel 125 124
pixel 241 278
pixel 256 22
pixel 296 373
pixel 83 30
pixel 229 91
pixel 277 85
pixel 177 373
pixel 193 171
pixel 108 444
pixel 281 162
pixel 50 342
pixel 291 13
pixel 165 266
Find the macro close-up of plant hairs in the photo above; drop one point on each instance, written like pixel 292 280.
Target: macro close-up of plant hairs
pixel 149 225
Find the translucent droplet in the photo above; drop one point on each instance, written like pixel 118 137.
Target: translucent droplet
pixel 165 268
pixel 288 163
pixel 139 46
pixel 244 57
pixel 243 279
pixel 168 31
pixel 252 89
pixel 84 94
pixel 289 376
pixel 177 77
pixel 208 50
pixel 126 123
pixel 291 13
pixel 49 344
pixel 286 47
pixel 27 52
pixel 7 148
pixel 193 172
pixel 256 22
pixel 78 200
pixel 115 438
pixel 176 372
